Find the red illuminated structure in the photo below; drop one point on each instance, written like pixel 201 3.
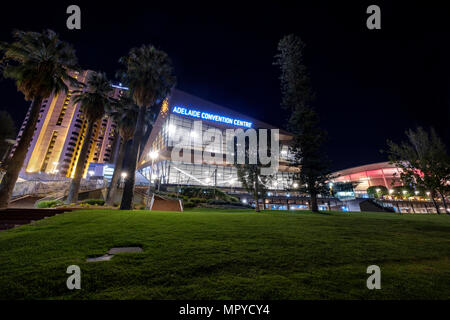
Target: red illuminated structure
pixel 376 174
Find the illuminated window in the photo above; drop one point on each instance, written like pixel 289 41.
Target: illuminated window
pixel 64 108
pixel 49 151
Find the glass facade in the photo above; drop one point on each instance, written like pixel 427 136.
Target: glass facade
pixel 176 130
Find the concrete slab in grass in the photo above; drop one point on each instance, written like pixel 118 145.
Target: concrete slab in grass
pixel 105 257
pixel 113 251
pixel 125 250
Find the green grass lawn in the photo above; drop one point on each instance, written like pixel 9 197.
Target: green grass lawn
pixel 228 254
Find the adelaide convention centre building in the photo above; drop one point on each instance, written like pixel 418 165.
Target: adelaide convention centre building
pixel 178 121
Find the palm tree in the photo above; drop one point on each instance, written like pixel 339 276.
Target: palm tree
pixel 149 75
pixel 40 64
pixel 124 113
pixel 93 102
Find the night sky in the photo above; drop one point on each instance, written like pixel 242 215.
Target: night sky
pixel 371 85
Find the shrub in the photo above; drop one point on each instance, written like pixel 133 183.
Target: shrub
pixel 93 202
pixel 188 204
pixel 49 204
pixel 403 191
pixel 227 203
pixel 377 191
pixel 217 202
pixel 197 200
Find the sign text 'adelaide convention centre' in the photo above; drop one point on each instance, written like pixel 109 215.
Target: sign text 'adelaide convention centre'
pixel 210 116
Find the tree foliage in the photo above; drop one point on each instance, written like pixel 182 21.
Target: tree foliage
pixel 94 101
pixel 40 64
pixel 149 75
pixel 377 191
pixel 250 173
pixel 423 162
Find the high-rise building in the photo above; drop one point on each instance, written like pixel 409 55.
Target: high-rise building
pixel 60 132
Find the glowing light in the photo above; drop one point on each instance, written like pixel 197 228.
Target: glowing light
pixel 295 185
pixel 193 134
pixel 244 200
pixel 207 180
pixel 378 190
pixel 391 191
pixel 153 155
pixel 404 192
pixel 171 129
pixel 123 175
pixel 165 107
pixel 91 173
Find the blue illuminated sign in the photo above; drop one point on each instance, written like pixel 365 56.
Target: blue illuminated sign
pixel 210 116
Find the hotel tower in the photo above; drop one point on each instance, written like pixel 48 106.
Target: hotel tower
pixel 60 132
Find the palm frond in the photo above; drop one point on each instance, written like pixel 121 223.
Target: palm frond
pixel 40 63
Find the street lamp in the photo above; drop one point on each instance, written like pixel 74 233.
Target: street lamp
pixel 153 155
pixel 122 181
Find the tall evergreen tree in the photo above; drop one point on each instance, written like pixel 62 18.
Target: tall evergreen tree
pixel 149 75
pixel 40 64
pixel 250 174
pixel 303 123
pixel 424 163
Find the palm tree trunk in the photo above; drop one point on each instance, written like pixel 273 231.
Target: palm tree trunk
pixel 128 190
pixel 435 203
pixel 72 197
pixel 15 163
pixel 444 202
pixel 116 175
pixel 314 207
pixel 144 139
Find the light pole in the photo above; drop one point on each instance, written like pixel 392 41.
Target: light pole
pixel 123 175
pixel 153 155
pixel 330 185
